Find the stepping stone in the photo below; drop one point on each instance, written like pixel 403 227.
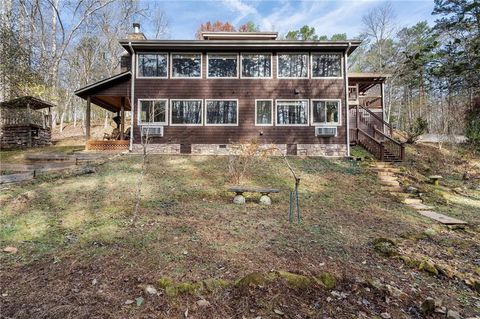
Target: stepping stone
pixel 388 178
pixel 385 169
pixel 412 201
pixel 442 218
pixel 420 206
pixel 392 189
pixel 389 183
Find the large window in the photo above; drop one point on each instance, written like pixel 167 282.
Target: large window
pixel 257 65
pixel 153 65
pixel 292 65
pixel 186 112
pixel 263 112
pixel 326 65
pixel 187 65
pixel 326 112
pixel 153 111
pixel 292 112
pixel 222 65
pixel 221 112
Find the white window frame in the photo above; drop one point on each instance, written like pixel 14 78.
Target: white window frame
pixel 171 110
pixel 294 78
pixel 227 77
pixel 273 112
pixel 289 100
pixel 326 77
pixel 205 112
pixel 254 77
pixel 139 112
pixel 186 77
pixel 339 123
pixel 137 76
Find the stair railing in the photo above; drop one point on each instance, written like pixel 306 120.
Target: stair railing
pixel 392 146
pixel 367 141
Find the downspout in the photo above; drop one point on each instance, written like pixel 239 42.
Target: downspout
pixel 347 111
pixel 132 95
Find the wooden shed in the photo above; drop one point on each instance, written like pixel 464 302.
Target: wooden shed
pixel 25 122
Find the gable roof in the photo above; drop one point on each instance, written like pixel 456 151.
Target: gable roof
pixel 94 87
pixel 24 101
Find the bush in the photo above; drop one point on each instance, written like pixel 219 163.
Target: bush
pixel 414 131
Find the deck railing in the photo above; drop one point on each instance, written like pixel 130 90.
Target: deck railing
pixel 25 117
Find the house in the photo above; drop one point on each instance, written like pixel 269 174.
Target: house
pixel 25 122
pixel 200 96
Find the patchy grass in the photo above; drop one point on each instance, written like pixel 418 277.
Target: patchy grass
pixel 17 156
pixel 83 254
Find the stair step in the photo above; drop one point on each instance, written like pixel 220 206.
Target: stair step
pixel 392 189
pixel 412 201
pixel 389 183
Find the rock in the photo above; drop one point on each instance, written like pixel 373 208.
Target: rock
pixel 445 270
pixel 239 199
pixel 473 283
pixel 412 190
pixel 278 312
pixel 430 232
pixel 385 315
pixel 252 279
pixel 385 247
pixel 189 288
pixel 375 283
pixel 150 290
pixel 203 303
pixel 213 284
pixel 129 302
pixel 265 200
pixel 10 250
pixel 428 306
pixel 94 282
pixel 295 280
pixel 451 314
pixel 327 280
pixel 428 266
pixel 395 292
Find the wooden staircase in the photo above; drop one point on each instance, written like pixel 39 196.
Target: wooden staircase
pixel 375 135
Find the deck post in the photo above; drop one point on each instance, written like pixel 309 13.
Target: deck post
pixel 356 116
pixel 29 123
pixel 122 119
pixel 87 119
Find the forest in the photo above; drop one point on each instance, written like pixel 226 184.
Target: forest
pixel 54 47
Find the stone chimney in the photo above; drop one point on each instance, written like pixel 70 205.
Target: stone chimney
pixel 136 35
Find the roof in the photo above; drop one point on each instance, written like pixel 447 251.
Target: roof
pixel 367 80
pixel 24 101
pixel 239 35
pixel 368 75
pixel 243 44
pixel 90 88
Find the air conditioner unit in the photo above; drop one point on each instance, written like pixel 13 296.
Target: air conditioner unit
pixel 325 131
pixel 151 131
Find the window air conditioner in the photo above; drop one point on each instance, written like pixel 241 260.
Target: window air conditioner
pixel 152 131
pixel 325 131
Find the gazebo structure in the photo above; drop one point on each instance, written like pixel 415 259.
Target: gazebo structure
pixel 25 122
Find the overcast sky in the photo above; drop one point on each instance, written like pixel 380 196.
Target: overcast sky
pixel 328 17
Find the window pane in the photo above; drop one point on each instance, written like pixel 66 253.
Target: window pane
pixel 264 112
pixel 325 111
pixel 292 112
pixel 152 65
pixel 332 112
pixel 187 112
pixel 326 65
pixel 153 111
pixel 186 65
pixel 256 65
pixel 292 65
pixel 222 65
pixel 221 112
pixel 319 112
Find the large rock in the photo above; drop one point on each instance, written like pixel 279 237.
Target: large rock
pixel 385 247
pixel 239 199
pixel 451 314
pixel 327 280
pixel 428 266
pixel 252 279
pixel 428 306
pixel 265 200
pixel 295 280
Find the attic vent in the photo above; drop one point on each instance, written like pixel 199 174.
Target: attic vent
pixel 326 131
pixel 152 130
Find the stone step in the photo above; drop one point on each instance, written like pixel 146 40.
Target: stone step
pixel 389 183
pixel 413 201
pixel 388 178
pixel 386 169
pixel 446 220
pixel 420 206
pixel 392 189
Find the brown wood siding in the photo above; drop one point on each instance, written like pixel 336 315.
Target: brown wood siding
pixel 246 91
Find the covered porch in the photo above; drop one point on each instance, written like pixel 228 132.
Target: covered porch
pixel 111 94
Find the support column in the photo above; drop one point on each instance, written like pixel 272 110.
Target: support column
pixel 87 119
pixel 122 119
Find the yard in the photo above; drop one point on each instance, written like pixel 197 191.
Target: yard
pixel 83 253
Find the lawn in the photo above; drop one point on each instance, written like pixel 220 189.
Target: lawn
pixel 83 253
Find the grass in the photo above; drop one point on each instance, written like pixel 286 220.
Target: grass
pixel 17 155
pixel 70 231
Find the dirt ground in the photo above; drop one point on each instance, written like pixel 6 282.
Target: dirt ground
pixel 83 253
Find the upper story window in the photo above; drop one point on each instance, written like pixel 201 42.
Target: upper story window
pixel 186 65
pixel 221 112
pixel 292 65
pixel 326 65
pixel 153 111
pixel 257 65
pixel 292 112
pixel 222 65
pixel 152 65
pixel 325 112
pixel 186 112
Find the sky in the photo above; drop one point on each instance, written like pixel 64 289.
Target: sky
pixel 327 16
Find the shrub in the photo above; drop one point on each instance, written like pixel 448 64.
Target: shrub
pixel 416 129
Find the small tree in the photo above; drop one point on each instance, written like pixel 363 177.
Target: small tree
pixel 416 129
pixel 214 27
pixel 473 126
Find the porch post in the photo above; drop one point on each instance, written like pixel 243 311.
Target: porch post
pixel 87 119
pixel 122 119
